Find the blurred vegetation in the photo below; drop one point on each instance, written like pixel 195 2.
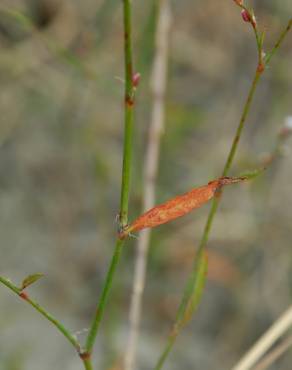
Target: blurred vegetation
pixel 61 70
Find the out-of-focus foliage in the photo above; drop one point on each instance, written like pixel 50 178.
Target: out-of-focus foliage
pixel 61 70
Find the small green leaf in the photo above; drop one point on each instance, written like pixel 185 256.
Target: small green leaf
pixel 30 279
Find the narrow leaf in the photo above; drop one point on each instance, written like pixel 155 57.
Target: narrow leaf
pixel 262 38
pixel 30 279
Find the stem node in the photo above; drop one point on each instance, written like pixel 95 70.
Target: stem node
pixel 23 295
pixel 85 355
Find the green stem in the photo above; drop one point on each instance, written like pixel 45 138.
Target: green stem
pixel 194 288
pixel 104 295
pixel 9 285
pixel 43 312
pixel 125 188
pixel 169 344
pixel 129 114
pixel 87 364
pixel 279 42
pixel 215 203
pixel 240 127
pixel 192 281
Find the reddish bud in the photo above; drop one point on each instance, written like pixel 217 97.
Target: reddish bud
pixel 246 16
pixel 239 2
pixel 23 295
pixel 136 79
pixel 129 101
pixel 85 355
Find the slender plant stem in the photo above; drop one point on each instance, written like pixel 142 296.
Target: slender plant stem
pixel 192 304
pixel 279 42
pixel 104 295
pixel 240 127
pixel 129 113
pixel 215 203
pixel 193 279
pixel 125 188
pixel 71 338
pixel 169 344
pixel 9 285
pixel 156 128
pixel 68 335
pixel 87 364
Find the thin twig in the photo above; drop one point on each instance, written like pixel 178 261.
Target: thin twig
pixel 87 364
pixel 279 42
pixel 275 354
pixel 129 113
pixel 71 338
pixel 125 188
pixel 192 283
pixel 90 340
pixel 158 83
pixel 266 341
pixel 85 355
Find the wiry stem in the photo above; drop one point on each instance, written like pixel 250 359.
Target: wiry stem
pixel 191 283
pixel 193 280
pixel 85 355
pixel 279 42
pixel 87 364
pixel 125 188
pixel 70 337
pixel 159 75
pixel 103 299
pixel 129 113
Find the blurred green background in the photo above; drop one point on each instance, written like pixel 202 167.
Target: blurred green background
pixel 61 138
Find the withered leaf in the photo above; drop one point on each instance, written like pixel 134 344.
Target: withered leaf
pixel 179 205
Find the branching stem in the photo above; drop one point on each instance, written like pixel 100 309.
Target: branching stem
pixel 70 337
pixel 193 279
